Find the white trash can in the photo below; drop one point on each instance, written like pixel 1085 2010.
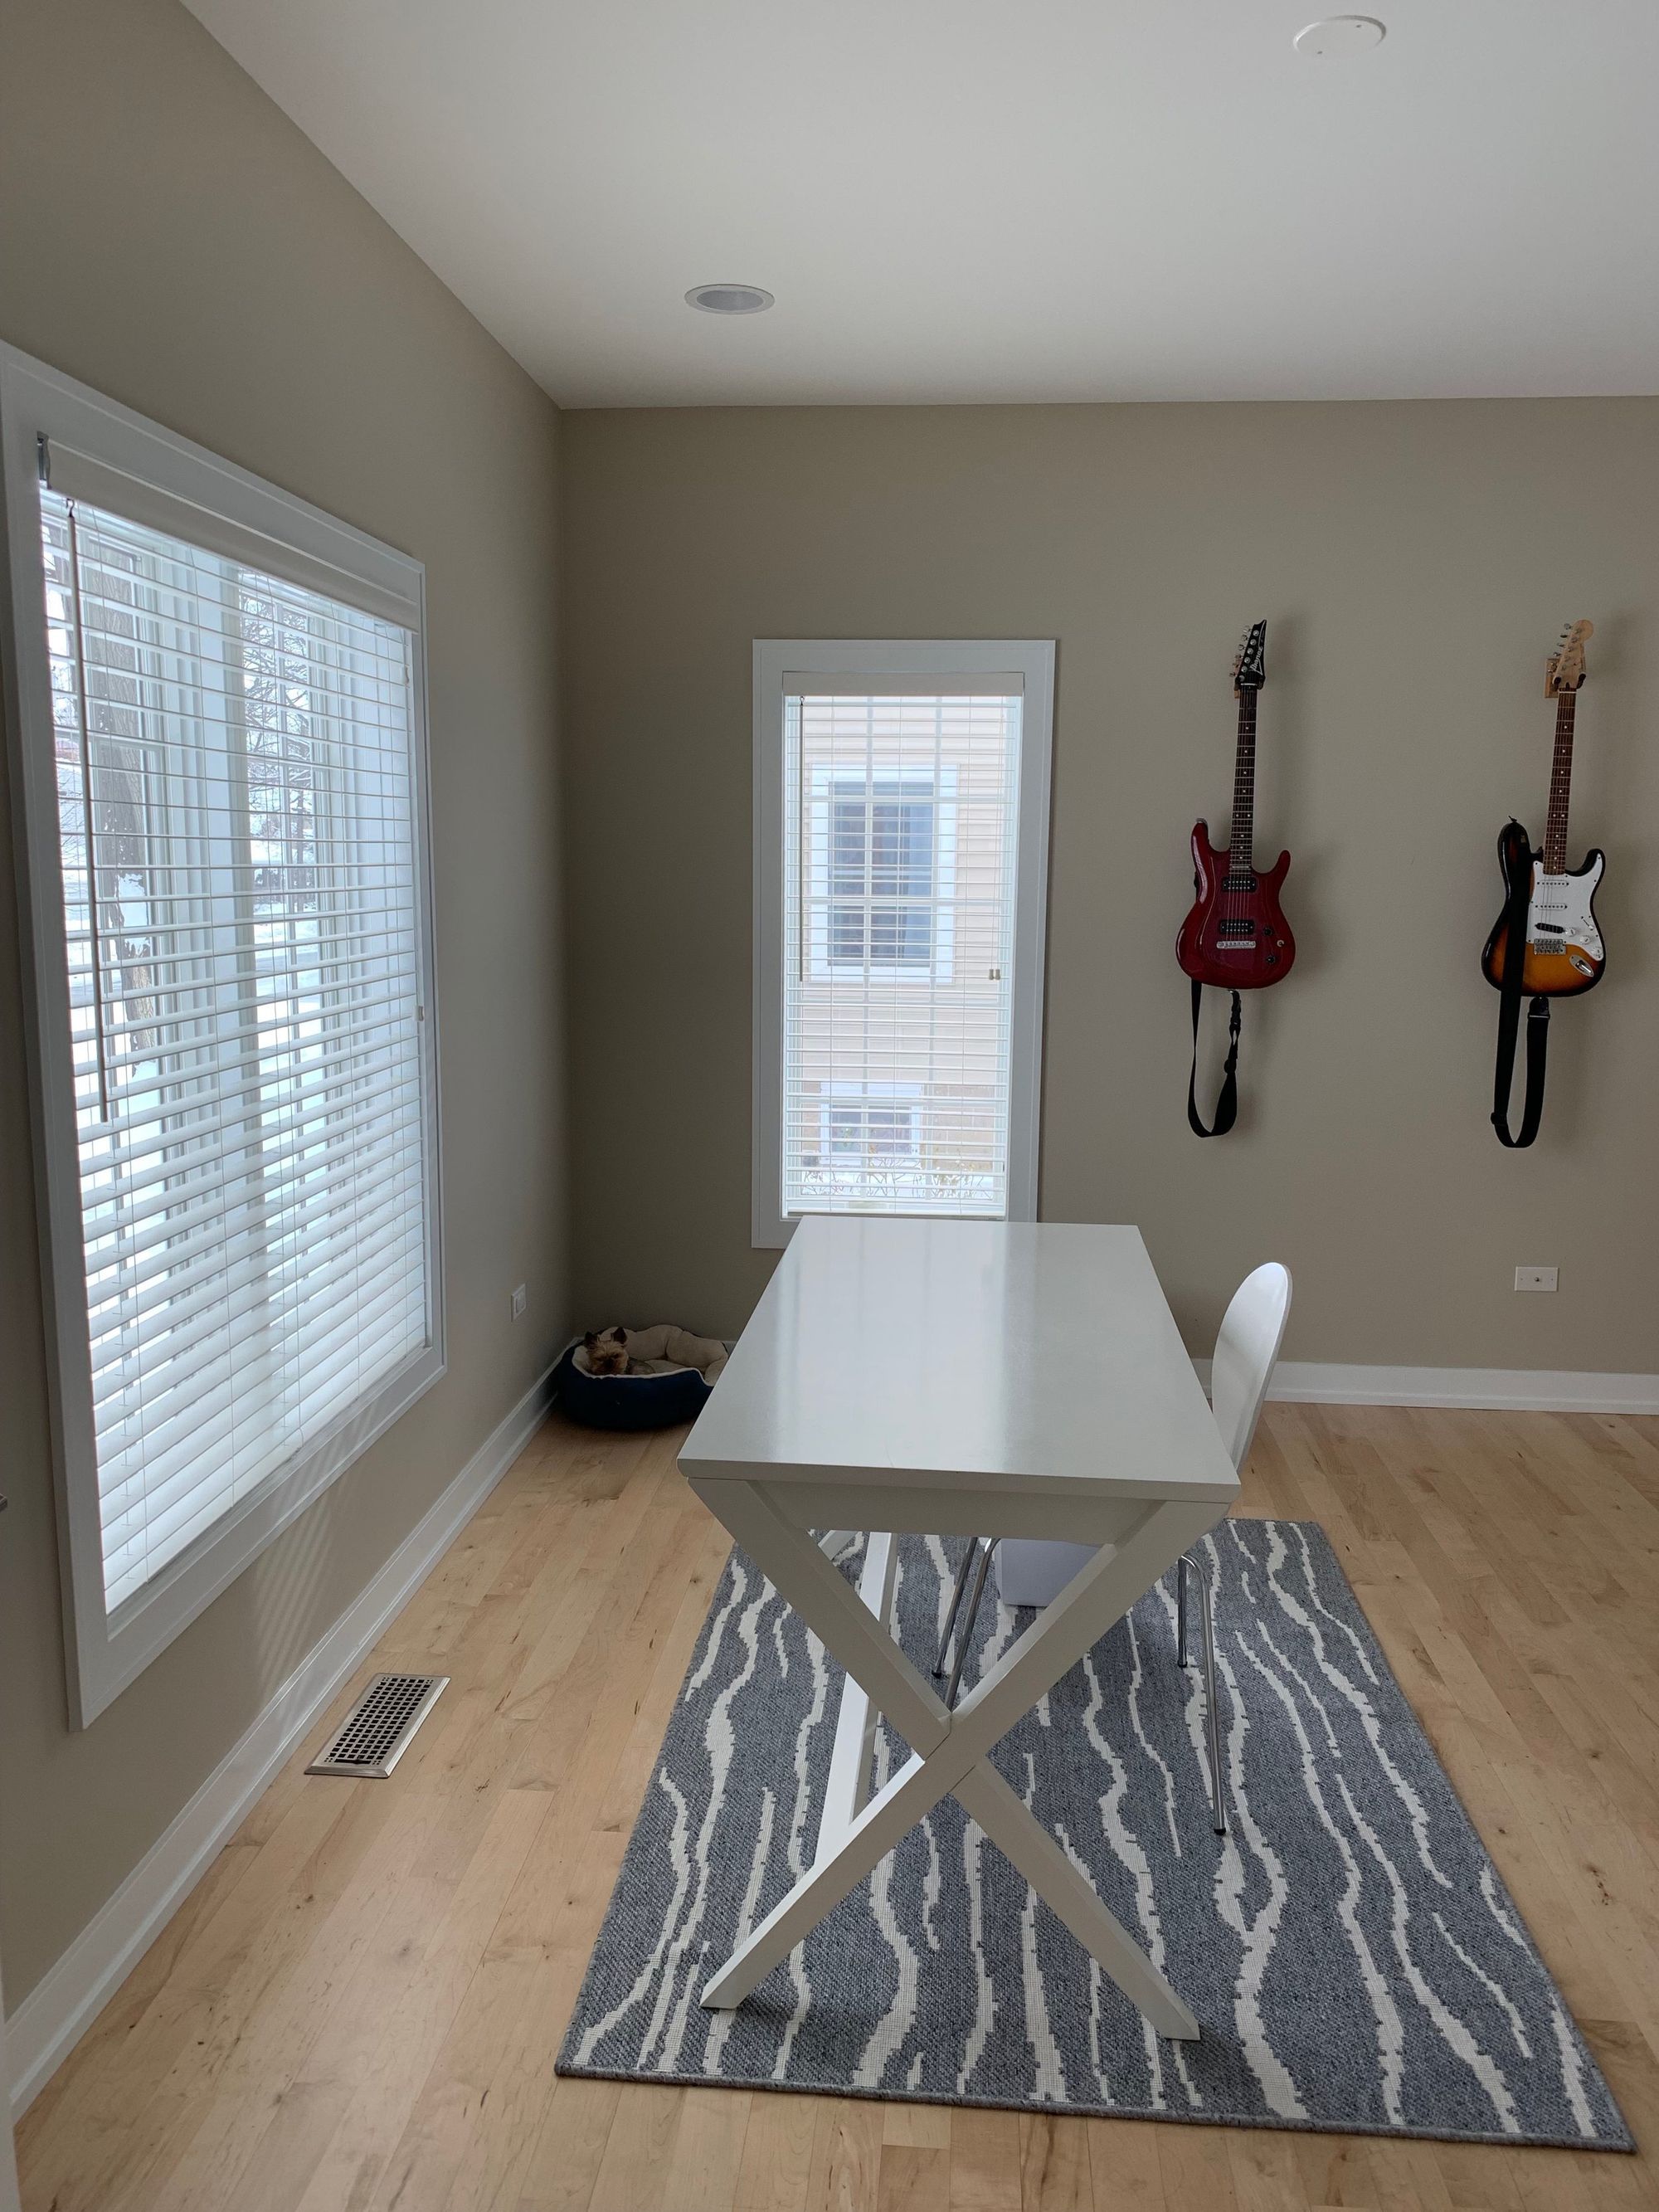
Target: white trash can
pixel 1030 1571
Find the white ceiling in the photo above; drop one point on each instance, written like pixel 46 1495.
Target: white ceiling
pixel 1005 199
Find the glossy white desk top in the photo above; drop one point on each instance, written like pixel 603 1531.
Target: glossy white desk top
pixel 1024 1356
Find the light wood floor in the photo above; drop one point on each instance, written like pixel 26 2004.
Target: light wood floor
pixel 360 2005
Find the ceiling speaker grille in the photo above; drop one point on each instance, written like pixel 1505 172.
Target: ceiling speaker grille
pixel 376 1733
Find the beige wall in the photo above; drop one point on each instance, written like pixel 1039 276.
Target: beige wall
pixel 1415 562
pixel 168 236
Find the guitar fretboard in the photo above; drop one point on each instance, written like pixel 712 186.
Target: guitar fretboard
pixel 1555 826
pixel 1243 833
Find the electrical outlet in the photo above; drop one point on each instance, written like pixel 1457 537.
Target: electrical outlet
pixel 518 1300
pixel 1535 1278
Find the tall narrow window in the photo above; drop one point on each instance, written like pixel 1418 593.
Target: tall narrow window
pixel 902 830
pixel 227 870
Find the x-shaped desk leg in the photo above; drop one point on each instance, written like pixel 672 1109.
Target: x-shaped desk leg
pixel 950 1749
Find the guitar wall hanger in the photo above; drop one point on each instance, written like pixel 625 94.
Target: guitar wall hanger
pixel 1236 935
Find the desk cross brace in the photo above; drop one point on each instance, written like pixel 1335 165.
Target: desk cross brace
pixel 949 1749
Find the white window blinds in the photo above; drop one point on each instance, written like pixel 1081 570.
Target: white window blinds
pixel 900 838
pixel 237 837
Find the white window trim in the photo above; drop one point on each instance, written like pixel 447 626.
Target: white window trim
pixel 268 527
pixel 784 667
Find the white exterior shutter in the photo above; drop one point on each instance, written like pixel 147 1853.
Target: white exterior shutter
pixel 901 842
pixel 237 832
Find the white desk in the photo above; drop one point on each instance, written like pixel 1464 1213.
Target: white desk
pixel 967 1378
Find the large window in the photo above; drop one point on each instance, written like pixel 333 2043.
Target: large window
pixel 218 734
pixel 900 840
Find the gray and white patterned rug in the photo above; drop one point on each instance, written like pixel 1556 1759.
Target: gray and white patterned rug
pixel 1353 1957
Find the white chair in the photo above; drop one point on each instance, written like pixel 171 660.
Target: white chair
pixel 1030 1572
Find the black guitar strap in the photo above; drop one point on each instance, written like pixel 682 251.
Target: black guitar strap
pixel 1226 1105
pixel 1509 1006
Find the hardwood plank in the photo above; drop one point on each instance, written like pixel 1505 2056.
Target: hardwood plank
pixel 1267 2169
pixel 1196 2166
pixel 914 2178
pixel 845 2175
pixel 708 2154
pixel 477 2117
pixel 777 2153
pixel 381 2044
pixel 564 2160
pixel 1335 2170
pixel 1054 2164
pixel 921 2127
pixel 1124 2167
pixel 638 2164
pixel 984 2160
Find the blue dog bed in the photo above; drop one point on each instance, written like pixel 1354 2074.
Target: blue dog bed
pixel 670 1374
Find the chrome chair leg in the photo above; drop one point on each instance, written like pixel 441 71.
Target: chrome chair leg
pixel 966 1635
pixel 962 1572
pixel 1194 1562
pixel 1189 1563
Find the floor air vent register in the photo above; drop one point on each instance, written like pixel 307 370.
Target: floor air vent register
pixel 380 1727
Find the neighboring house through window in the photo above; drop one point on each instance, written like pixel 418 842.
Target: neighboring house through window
pixel 865 1131
pixel 883 870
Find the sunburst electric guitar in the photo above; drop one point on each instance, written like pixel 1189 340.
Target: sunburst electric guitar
pixel 1547 943
pixel 1235 934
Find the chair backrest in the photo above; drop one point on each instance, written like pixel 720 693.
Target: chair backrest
pixel 1246 1351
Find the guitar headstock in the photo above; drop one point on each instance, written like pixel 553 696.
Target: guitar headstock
pixel 1563 671
pixel 1250 662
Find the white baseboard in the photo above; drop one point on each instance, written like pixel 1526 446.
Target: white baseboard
pixel 51 2019
pixel 1498 1389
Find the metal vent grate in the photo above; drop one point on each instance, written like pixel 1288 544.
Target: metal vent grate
pixel 376 1733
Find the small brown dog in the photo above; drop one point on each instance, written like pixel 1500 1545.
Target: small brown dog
pixel 607 1351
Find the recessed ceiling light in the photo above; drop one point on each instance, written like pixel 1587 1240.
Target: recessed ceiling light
pixel 1340 34
pixel 728 299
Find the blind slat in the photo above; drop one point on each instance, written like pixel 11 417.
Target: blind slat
pixel 138 1545
pixel 302 1253
pixel 153 1200
pixel 217 1295
pixel 169 1436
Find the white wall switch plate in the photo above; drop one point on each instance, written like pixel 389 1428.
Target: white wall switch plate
pixel 518 1298
pixel 1535 1278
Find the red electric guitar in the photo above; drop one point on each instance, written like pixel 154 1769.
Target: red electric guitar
pixel 1235 934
